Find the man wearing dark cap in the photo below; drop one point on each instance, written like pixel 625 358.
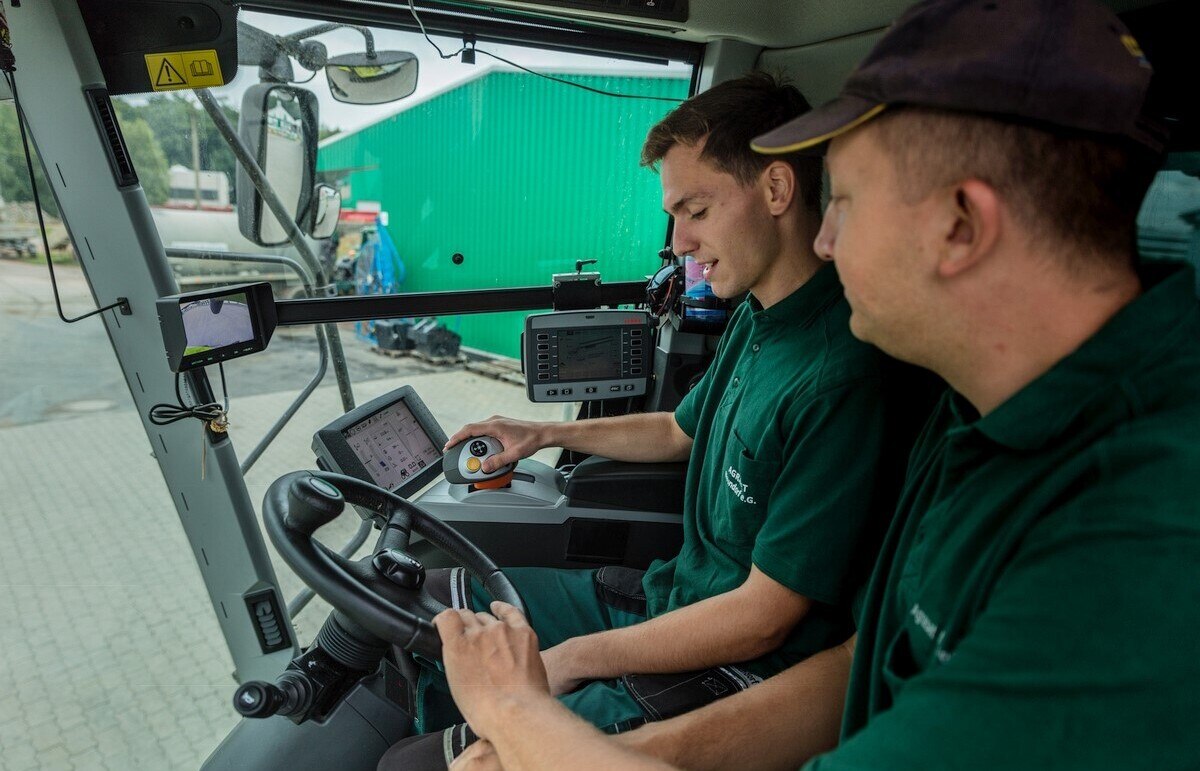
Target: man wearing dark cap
pixel 1035 604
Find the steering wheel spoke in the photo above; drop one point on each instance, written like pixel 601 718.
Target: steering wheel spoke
pixel 383 592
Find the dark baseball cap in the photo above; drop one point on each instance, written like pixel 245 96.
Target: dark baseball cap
pixel 1070 64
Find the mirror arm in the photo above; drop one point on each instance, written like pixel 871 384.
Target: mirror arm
pixel 271 199
pixel 321 29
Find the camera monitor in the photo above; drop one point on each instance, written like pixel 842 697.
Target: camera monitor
pixel 393 441
pixel 211 326
pixel 584 355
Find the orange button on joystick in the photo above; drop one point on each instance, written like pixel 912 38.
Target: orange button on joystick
pixel 473 465
pixel 495 484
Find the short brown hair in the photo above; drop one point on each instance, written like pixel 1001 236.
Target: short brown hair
pixel 726 117
pixel 1081 191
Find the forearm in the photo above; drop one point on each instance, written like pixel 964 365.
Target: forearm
pixel 644 437
pixel 559 739
pixel 779 724
pixel 716 631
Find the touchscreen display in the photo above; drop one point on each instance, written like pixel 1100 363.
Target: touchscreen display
pixel 216 322
pixel 589 354
pixel 391 446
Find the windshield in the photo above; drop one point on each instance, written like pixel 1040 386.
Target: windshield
pixel 519 175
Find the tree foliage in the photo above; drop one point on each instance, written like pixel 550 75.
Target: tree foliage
pixel 140 138
pixel 14 173
pixel 148 159
pixel 170 120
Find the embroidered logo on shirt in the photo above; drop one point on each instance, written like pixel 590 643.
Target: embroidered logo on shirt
pixel 734 480
pixel 929 627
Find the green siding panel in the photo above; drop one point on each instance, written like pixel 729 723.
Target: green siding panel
pixel 521 175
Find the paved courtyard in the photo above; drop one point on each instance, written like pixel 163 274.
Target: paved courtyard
pixel 110 657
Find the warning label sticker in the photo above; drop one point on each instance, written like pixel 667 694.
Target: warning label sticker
pixel 184 69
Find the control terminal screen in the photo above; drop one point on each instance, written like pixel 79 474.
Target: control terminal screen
pixel 392 446
pixel 216 322
pixel 211 326
pixel 589 354
pixel 570 356
pixel 392 441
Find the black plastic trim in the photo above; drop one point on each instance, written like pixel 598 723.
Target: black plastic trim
pixel 395 306
pixel 499 26
pixel 272 630
pixel 114 142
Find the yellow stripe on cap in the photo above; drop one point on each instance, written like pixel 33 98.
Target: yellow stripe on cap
pixel 807 143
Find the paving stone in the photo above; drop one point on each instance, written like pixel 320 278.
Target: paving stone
pixel 127 655
pixel 45 736
pixel 55 759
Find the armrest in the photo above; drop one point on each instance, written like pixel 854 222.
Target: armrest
pixel 612 484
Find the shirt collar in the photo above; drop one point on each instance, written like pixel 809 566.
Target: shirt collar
pixel 805 304
pixel 1138 332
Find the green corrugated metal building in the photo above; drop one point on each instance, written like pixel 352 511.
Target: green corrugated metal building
pixel 522 176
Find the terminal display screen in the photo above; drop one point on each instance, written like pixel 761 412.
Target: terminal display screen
pixel 211 326
pixel 589 354
pixel 216 322
pixel 392 446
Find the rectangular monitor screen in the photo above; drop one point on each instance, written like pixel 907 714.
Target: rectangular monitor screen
pixel 589 353
pixel 391 446
pixel 216 322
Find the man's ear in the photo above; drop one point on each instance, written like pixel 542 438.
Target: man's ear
pixel 971 225
pixel 780 186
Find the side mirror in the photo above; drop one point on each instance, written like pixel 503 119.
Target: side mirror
pixel 372 79
pixel 278 125
pixel 328 205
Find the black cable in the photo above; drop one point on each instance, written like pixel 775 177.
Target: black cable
pixel 121 302
pixel 413 10
pixel 212 413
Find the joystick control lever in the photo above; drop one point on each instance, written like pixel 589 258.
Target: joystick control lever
pixel 290 695
pixel 463 464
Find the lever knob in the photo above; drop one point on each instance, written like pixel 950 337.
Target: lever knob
pixel 258 699
pixel 290 695
pixel 399 568
pixel 312 503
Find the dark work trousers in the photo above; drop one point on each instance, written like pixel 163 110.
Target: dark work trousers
pixel 562 604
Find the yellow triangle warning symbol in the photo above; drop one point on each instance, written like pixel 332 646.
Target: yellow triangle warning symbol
pixel 169 76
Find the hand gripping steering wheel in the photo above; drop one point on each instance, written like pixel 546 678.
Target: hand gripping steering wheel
pixel 383 592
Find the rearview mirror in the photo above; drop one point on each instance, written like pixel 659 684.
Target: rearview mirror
pixel 278 125
pixel 328 205
pixel 366 79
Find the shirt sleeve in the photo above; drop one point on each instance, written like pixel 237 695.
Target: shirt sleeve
pixel 1084 657
pixel 825 512
pixel 687 414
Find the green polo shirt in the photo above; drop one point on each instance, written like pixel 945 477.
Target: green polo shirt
pixel 1037 601
pixel 796 461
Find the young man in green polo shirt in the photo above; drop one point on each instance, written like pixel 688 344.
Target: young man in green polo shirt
pixel 1035 604
pixel 797 438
